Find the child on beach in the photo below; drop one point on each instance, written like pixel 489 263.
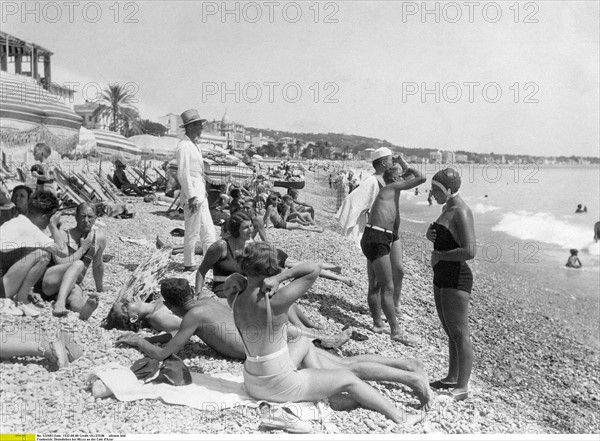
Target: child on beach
pixel 381 231
pixel 42 171
pixel 573 261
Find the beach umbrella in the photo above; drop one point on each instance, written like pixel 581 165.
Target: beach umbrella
pixel 114 146
pixel 155 146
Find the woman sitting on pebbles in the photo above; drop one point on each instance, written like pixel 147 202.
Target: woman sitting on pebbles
pixel 221 256
pixel 271 214
pixel 211 319
pixel 270 370
pixel 453 237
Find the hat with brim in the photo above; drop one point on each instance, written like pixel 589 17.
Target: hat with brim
pixel 190 116
pixel 380 153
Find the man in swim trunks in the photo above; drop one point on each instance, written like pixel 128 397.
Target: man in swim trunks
pixel 381 231
pixel 62 280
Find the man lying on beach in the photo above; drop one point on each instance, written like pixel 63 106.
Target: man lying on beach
pixel 63 277
pixel 381 231
pixel 211 319
pixel 157 316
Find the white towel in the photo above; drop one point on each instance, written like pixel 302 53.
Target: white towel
pixel 211 393
pixel 352 215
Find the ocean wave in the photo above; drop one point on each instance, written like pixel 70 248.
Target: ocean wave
pixel 414 220
pixel 484 208
pixel 544 227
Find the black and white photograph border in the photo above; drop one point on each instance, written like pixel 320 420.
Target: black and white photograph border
pixel 490 108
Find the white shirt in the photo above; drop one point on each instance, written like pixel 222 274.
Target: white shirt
pixel 20 232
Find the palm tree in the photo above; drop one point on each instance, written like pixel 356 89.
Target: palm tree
pixel 117 106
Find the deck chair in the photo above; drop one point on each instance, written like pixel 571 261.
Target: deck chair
pixel 109 188
pixel 175 205
pixel 144 179
pixel 21 174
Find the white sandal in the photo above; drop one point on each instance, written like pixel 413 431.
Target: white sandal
pixel 282 418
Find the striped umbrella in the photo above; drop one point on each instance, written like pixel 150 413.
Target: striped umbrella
pixel 30 103
pixel 30 114
pixel 113 145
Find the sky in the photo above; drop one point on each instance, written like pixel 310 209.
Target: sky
pixel 502 77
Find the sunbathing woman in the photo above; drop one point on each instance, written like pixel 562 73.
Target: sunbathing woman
pixel 453 237
pixel 260 314
pixel 211 319
pixel 271 214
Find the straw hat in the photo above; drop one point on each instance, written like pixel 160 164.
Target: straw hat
pixel 190 116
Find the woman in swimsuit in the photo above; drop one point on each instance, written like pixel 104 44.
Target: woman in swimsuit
pixel 221 256
pixel 271 214
pixel 453 237
pixel 261 316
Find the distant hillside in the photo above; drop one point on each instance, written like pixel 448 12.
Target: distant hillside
pixel 357 143
pixel 334 139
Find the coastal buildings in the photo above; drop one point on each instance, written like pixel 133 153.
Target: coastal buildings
pixel 234 133
pixel 435 157
pixel 171 122
pixel 91 122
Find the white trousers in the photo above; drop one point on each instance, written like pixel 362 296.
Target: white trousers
pixel 198 228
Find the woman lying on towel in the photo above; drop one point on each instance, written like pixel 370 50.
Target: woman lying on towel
pixel 260 313
pixel 272 215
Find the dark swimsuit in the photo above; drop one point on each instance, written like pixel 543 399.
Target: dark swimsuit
pixel 228 265
pixel 447 274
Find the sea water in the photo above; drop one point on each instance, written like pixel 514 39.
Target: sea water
pixel 525 221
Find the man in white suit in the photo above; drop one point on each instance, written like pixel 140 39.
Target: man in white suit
pixel 190 173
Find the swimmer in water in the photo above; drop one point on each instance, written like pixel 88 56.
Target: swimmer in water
pixel 573 261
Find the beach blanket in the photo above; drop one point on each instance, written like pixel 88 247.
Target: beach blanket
pixel 210 393
pixel 352 215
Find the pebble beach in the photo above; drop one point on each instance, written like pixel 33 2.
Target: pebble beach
pixel 534 370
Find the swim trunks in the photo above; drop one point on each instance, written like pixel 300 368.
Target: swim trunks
pixel 376 243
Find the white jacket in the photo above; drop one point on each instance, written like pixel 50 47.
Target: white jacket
pixel 190 172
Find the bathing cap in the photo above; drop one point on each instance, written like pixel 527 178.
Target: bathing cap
pixel 448 180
